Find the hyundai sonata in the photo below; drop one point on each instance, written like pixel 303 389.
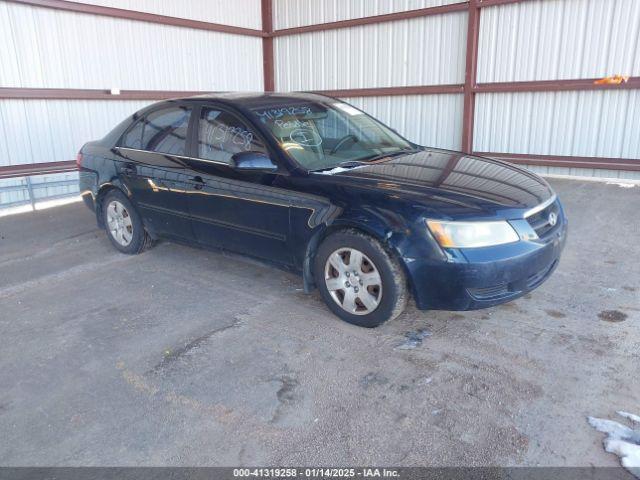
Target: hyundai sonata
pixel 316 185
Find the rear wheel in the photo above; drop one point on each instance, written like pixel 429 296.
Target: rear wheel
pixel 123 224
pixel 359 280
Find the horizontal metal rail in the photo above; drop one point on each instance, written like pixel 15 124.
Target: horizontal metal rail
pixel 44 168
pixel 92 94
pixel 140 16
pixel 392 91
pixel 629 164
pixel 583 84
pixel 370 20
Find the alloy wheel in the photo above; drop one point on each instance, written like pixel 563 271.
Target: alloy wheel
pixel 119 223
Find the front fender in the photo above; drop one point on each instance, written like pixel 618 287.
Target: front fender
pixel 393 231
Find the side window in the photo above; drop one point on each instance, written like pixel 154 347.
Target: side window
pixel 165 131
pixel 221 135
pixel 133 138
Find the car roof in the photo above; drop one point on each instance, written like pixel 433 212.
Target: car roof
pixel 252 100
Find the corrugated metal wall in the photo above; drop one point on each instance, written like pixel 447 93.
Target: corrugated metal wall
pixel 58 49
pixel 298 13
pixel 532 40
pixel 560 39
pixel 48 48
pixel 380 55
pixel 424 119
pixel 240 13
pixel 38 131
pixel 587 124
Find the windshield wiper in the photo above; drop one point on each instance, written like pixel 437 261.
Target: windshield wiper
pixel 347 164
pixel 367 160
pixel 389 155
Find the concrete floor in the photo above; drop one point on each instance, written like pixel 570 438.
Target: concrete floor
pixel 181 356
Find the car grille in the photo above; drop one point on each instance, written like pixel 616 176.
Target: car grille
pixel 539 221
pixel 490 293
pixel 504 290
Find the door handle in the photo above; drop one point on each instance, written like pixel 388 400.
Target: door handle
pixel 199 182
pixel 129 169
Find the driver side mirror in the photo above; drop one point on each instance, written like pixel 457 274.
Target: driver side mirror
pixel 253 161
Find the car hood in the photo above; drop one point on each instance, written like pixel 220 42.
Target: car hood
pixel 463 183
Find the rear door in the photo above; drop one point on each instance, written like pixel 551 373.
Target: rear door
pixel 242 211
pixel 152 165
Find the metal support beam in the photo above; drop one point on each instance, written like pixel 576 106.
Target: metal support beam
pixel 32 198
pixel 392 91
pixel 389 17
pixel 470 75
pixel 267 46
pixel 139 16
pixel 91 94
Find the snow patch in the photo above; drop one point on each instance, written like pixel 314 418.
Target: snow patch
pixel 622 184
pixel 621 440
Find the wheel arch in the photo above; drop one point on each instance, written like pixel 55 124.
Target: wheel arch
pixel 102 193
pixel 377 232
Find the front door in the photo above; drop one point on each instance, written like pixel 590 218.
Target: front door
pixel 239 211
pixel 152 165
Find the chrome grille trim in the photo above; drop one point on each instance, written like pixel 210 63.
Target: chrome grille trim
pixel 540 207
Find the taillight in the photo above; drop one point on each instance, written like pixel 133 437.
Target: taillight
pixel 79 160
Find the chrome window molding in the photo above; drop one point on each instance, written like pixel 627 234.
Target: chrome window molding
pixel 164 154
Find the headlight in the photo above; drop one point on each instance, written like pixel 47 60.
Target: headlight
pixel 472 234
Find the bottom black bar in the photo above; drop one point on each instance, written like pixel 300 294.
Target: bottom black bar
pixel 402 473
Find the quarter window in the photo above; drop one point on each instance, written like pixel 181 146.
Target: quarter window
pixel 133 138
pixel 221 135
pixel 165 131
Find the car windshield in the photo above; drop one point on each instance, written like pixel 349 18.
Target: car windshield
pixel 325 135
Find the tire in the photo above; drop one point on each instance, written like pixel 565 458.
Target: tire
pixel 123 224
pixel 373 304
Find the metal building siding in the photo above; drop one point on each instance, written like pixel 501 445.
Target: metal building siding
pixel 56 49
pixel 588 123
pixel 421 51
pixel 241 13
pixel 36 131
pixel 432 120
pixel 559 39
pixel 297 13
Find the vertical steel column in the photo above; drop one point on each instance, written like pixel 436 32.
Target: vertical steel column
pixel 267 46
pixel 32 197
pixel 470 75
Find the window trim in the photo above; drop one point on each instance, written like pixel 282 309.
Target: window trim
pixel 171 155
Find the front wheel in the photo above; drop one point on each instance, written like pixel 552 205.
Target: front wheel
pixel 359 280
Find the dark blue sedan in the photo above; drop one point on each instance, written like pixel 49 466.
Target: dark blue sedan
pixel 317 186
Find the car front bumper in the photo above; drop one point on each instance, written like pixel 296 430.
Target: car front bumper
pixel 477 278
